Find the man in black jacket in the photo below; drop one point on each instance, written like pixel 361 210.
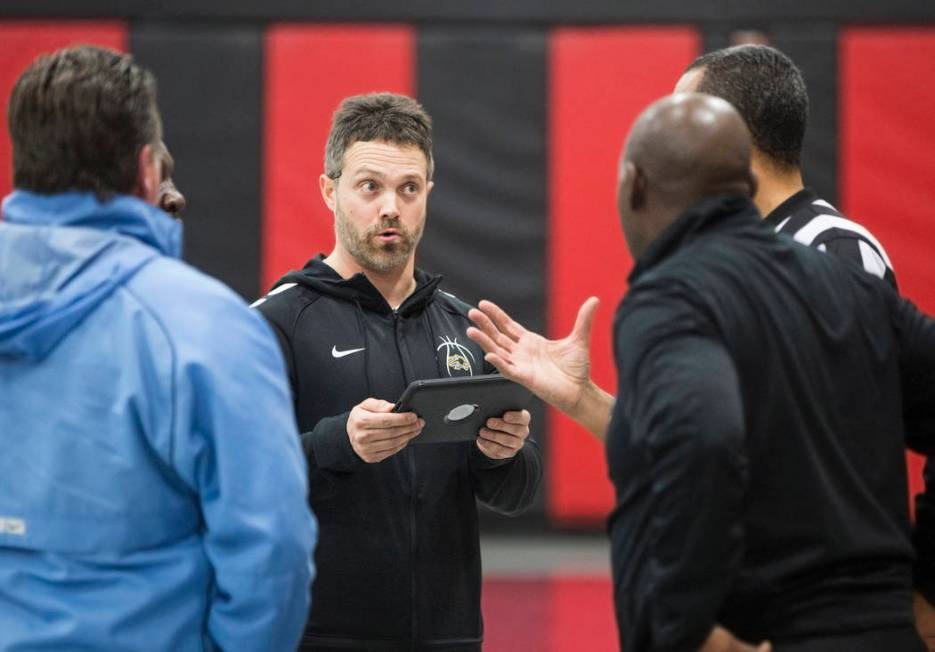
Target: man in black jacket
pixel 766 393
pixel 398 556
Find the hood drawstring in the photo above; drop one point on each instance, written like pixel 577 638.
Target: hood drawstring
pixel 359 313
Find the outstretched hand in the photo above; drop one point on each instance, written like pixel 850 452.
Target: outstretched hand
pixel 557 371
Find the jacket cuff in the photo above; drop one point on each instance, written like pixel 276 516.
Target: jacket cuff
pixel 481 462
pixel 329 447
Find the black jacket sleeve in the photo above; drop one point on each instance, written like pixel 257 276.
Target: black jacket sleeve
pixel 917 372
pixel 507 486
pixel 680 400
pixel 328 446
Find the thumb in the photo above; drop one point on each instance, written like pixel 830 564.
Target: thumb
pixel 377 405
pixel 585 319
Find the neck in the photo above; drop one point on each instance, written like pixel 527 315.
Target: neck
pixel 394 285
pixel 775 185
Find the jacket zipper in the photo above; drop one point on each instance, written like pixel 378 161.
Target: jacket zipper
pixel 411 460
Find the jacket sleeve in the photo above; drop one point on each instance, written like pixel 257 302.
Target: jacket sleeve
pixel 916 333
pixel 328 447
pixel 680 399
pixel 507 486
pixel 236 443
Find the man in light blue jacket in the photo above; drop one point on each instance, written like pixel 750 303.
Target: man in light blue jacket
pixel 152 489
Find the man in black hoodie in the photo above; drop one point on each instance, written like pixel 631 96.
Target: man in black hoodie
pixel 398 556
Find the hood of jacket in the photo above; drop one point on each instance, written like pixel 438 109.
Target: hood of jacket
pixel 61 255
pixel 358 289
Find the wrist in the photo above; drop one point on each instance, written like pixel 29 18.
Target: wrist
pixel 592 409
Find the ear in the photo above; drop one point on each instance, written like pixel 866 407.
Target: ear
pixel 327 186
pixel 428 187
pixel 148 176
pixel 754 183
pixel 631 188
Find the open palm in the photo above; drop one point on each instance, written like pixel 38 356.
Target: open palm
pixel 557 371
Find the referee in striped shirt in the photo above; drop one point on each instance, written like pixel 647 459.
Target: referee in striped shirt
pixel 768 90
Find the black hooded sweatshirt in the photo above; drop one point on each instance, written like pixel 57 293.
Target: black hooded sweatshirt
pixel 398 558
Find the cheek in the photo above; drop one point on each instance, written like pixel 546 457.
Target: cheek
pixel 415 211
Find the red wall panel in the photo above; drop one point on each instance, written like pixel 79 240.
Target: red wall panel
pixel 309 70
pixel 600 80
pixel 887 143
pixel 21 43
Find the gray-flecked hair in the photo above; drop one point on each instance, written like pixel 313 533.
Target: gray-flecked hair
pixel 385 117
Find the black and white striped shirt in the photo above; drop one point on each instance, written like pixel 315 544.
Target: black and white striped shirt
pixel 816 223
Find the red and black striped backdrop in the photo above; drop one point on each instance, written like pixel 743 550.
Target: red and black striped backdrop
pixel 529 121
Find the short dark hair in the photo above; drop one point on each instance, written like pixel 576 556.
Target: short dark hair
pixel 386 117
pixel 78 119
pixel 768 90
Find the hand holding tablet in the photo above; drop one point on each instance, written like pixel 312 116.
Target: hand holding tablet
pixel 455 409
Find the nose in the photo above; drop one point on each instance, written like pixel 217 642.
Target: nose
pixel 389 206
pixel 171 200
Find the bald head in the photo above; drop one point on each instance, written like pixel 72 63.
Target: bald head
pixel 682 148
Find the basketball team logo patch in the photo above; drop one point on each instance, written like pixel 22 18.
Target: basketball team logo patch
pixel 457 356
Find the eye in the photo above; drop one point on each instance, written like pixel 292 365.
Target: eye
pixel 411 188
pixel 368 185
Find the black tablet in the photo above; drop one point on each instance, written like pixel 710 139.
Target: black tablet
pixel 455 409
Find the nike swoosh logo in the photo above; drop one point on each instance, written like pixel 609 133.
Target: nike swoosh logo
pixel 340 354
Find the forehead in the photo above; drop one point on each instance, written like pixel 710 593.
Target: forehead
pixel 688 83
pixel 387 159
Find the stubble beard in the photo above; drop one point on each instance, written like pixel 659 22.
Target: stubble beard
pixel 371 254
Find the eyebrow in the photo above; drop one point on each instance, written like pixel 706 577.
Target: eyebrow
pixel 373 172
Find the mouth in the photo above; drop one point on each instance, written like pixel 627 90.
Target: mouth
pixel 389 235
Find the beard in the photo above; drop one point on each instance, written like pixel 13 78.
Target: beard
pixel 365 246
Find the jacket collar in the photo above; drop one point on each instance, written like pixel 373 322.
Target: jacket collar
pixel 319 276
pixel 791 205
pixel 123 214
pixel 708 215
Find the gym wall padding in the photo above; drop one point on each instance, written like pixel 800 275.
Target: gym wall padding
pixel 600 80
pixel 529 119
pixel 887 150
pixel 210 95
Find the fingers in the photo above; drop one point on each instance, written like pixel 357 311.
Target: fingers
pixel 380 451
pixel 494 339
pixel 501 320
pixel 514 423
pixel 376 445
pixel 504 436
pixel 505 367
pixel 585 319
pixel 375 432
pixel 493 450
pixel 389 434
pixel 483 339
pixel 376 405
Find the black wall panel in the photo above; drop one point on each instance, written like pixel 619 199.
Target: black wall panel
pixel 210 95
pixel 485 90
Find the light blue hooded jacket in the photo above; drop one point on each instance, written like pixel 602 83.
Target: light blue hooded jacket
pixel 152 488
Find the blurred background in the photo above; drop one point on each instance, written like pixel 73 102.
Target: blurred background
pixel 531 101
